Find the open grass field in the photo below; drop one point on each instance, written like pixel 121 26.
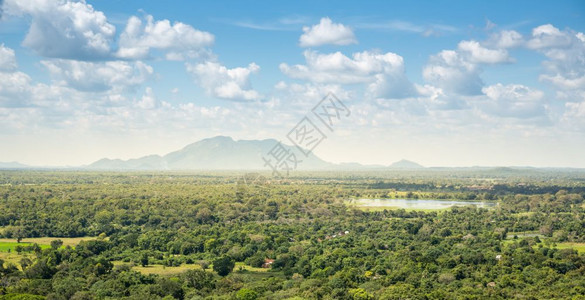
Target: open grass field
pixel 580 247
pixel 523 234
pixel 6 246
pixel 14 257
pixel 169 271
pixel 382 208
pixel 240 266
pixel 165 271
pixel 43 242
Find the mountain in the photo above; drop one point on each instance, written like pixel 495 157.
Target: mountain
pixel 151 162
pixel 218 153
pixel 13 165
pixel 405 164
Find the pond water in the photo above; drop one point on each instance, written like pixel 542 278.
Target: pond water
pixel 419 203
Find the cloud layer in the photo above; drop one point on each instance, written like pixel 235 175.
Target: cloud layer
pixel 382 72
pixel 327 32
pixel 221 82
pixel 97 79
pixel 179 40
pixel 65 29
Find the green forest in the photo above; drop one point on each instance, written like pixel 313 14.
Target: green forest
pixel 230 235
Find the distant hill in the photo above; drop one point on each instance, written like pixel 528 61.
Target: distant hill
pixel 405 164
pixel 13 165
pixel 225 153
pixel 217 153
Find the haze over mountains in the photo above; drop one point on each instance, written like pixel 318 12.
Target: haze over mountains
pixel 222 153
pixel 218 153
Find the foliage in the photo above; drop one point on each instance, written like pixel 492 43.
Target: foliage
pixel 223 266
pixel 287 238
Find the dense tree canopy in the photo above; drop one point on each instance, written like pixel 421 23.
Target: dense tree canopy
pixel 311 242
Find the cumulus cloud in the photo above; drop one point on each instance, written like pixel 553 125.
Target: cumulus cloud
pixel 148 100
pixel 7 59
pixel 451 72
pixel 383 73
pixel 548 36
pixel 327 32
pixel 564 49
pixel 565 67
pixel 574 116
pixel 179 40
pixel 14 89
pixel 506 39
pixel 308 94
pixel 75 30
pixel 476 53
pixel 221 82
pixel 15 86
pixel 65 29
pixel 457 71
pixel 115 76
pixel 514 101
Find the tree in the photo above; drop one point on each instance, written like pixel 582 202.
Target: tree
pixel 56 244
pixel 144 259
pixel 256 261
pixel 25 262
pixel 360 294
pixel 198 279
pixel 246 294
pixel 19 234
pixel 204 264
pixel 223 266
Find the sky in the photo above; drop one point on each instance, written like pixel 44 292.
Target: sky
pixel 442 83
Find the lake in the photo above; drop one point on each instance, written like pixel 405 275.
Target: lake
pixel 419 203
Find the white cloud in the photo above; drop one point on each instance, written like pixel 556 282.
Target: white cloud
pixel 307 94
pixel 327 32
pixel 479 54
pixel 221 82
pixel 383 73
pixel 562 82
pixel 7 59
pixel 574 117
pixel 576 109
pixel 392 85
pixel 14 89
pixel 64 29
pixel 451 72
pixel 547 36
pixel 506 39
pixel 114 76
pixel 148 100
pixel 565 69
pixel 457 71
pixel 565 50
pixel 514 101
pixel 179 40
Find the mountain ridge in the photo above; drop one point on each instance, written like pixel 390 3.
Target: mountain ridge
pixel 216 153
pixel 225 153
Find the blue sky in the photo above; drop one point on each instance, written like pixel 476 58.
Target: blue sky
pixel 444 83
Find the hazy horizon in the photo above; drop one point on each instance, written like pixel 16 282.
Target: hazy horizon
pixel 467 84
pixel 286 143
